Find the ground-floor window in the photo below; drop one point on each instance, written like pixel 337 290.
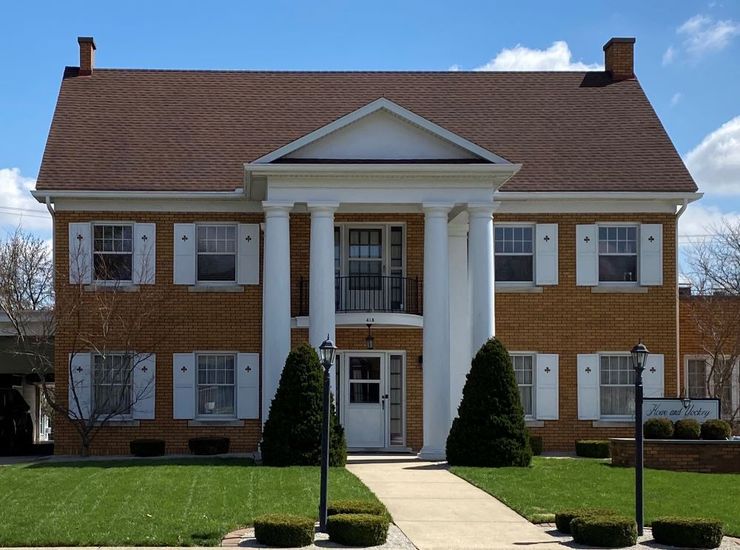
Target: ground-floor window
pixel 216 387
pixel 524 372
pixel 617 386
pixel 395 384
pixel 700 378
pixel 112 384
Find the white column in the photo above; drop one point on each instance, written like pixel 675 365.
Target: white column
pixel 275 298
pixel 436 365
pixel 459 312
pixel 481 274
pixel 321 308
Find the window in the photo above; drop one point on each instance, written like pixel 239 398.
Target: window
pixel 617 254
pixel 524 372
pixel 217 253
pixel 617 386
pixel 514 256
pixel 112 384
pixel 113 252
pixel 216 388
pixel 699 369
pixel 697 378
pixel 365 259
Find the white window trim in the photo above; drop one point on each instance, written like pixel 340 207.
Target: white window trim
pixel 214 417
pixel 533 355
pixel 344 228
pixel 230 283
pixel 613 417
pixel 616 284
pixel 119 417
pixel 516 284
pixel 111 282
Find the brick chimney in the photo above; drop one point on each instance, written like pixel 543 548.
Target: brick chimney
pixel 87 55
pixel 619 58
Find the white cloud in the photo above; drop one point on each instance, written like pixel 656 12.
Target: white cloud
pixel 18 207
pixel 699 219
pixel 557 57
pixel 669 55
pixel 715 162
pixel 676 98
pixel 703 34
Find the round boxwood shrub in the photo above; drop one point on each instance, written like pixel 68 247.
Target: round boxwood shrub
pixel 611 531
pixel 489 429
pixel 357 529
pixel 535 442
pixel 593 448
pixel 686 428
pixel 209 445
pixel 147 447
pixel 356 507
pixel 716 430
pixel 688 532
pixel 292 433
pixel 564 517
pixel 658 428
pixel 283 530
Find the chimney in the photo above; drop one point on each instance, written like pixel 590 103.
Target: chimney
pixel 619 58
pixel 87 55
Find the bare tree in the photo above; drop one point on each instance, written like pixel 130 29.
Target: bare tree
pixel 713 270
pixel 101 328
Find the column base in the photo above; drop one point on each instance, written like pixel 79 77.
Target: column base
pixel 432 454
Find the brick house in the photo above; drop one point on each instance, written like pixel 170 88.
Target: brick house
pixel 409 215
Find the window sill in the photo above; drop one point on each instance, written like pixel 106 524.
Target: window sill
pixel 120 287
pixel 532 423
pixel 216 288
pixel 613 424
pixel 618 289
pixel 214 423
pixel 516 289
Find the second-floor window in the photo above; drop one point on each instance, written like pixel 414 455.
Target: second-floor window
pixel 617 386
pixel 618 253
pixel 514 253
pixel 112 384
pixel 113 252
pixel 217 253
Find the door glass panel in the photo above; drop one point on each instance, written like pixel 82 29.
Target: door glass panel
pixel 364 380
pixel 396 399
pixel 364 392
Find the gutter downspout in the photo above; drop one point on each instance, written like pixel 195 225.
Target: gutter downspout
pixel 50 208
pixel 678 304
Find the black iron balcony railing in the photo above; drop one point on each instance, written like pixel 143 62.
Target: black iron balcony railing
pixel 366 293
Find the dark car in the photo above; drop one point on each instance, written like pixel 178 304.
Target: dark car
pixel 16 426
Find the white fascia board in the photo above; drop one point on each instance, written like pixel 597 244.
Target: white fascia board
pixel 42 195
pixel 380 169
pixel 378 104
pixel 595 195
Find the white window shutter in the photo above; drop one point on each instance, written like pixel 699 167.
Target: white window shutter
pixel 183 384
pixel 653 378
pixel 145 253
pixel 546 387
pixel 248 254
pixel 248 386
pixel 651 254
pixel 144 390
pixel 80 376
pixel 80 253
pixel 589 401
pixel 546 251
pixel 185 247
pixel 587 255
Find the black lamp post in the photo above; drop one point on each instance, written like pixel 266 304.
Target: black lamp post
pixel 639 358
pixel 327 350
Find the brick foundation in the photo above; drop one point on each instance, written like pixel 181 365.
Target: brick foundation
pixel 710 457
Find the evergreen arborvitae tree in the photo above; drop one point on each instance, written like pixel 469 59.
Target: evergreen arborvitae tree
pixel 292 433
pixel 489 429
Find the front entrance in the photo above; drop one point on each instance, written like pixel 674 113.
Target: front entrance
pixel 371 399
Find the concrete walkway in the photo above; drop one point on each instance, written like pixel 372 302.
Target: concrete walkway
pixel 437 510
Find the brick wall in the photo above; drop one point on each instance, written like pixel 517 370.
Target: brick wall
pixel 685 456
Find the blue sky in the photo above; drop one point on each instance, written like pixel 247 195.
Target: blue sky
pixel 687 60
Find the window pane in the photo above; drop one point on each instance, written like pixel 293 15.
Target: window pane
pixel 617 268
pixel 216 267
pixel 364 392
pixel 525 394
pixel 617 400
pixel 514 268
pixel 396 399
pixel 364 368
pixel 112 267
pixel 697 378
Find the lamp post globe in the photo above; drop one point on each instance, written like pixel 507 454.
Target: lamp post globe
pixel 639 359
pixel 327 351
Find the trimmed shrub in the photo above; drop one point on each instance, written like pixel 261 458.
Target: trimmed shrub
pixel 356 507
pixel 688 532
pixel 357 529
pixel 292 433
pixel 686 428
pixel 209 445
pixel 535 442
pixel 489 429
pixel 593 448
pixel 147 447
pixel 658 428
pixel 611 531
pixel 283 530
pixel 716 430
pixel 564 517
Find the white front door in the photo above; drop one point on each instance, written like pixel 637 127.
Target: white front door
pixel 365 405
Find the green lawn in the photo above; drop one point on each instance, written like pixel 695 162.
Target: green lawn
pixel 155 502
pixel 552 484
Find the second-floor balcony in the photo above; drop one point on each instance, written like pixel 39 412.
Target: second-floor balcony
pixel 369 293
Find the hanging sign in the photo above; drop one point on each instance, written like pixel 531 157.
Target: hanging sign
pixel 677 409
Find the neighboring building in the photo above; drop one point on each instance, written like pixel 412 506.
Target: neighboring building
pixel 286 206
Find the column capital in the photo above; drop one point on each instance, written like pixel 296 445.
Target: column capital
pixel 481 209
pixel 434 209
pixel 276 208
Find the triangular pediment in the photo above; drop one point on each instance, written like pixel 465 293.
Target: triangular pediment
pixel 382 131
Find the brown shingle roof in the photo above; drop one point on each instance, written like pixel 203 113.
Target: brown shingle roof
pixel 192 130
